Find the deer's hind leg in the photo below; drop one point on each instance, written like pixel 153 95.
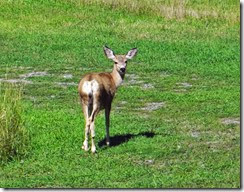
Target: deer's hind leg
pixel 87 127
pixel 92 125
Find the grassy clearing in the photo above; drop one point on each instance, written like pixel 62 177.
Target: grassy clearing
pixel 192 65
pixel 13 135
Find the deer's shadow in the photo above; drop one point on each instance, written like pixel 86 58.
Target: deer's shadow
pixel 119 139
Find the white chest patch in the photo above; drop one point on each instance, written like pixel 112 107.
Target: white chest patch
pixel 89 87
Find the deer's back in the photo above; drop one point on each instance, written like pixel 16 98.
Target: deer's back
pixel 104 87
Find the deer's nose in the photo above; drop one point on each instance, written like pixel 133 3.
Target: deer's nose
pixel 122 70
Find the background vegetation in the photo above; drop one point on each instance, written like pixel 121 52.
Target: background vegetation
pixel 174 122
pixel 13 135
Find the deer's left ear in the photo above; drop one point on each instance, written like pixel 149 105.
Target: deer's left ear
pixel 131 53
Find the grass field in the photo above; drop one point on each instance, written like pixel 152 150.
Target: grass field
pixel 175 119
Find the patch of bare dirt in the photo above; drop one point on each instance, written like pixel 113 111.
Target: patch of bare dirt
pixel 147 86
pixel 132 79
pixel 123 102
pixel 121 105
pixel 153 106
pixel 164 74
pixel 195 134
pixel 184 85
pixel 180 90
pixel 68 76
pixel 34 74
pixel 16 81
pixel 23 77
pixel 65 84
pixel 229 121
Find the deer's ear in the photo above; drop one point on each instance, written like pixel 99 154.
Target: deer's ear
pixel 131 53
pixel 108 52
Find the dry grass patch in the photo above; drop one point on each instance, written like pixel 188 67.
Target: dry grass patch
pixel 171 10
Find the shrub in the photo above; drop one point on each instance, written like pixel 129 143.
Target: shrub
pixel 13 135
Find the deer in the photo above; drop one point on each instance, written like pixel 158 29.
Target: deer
pixel 96 92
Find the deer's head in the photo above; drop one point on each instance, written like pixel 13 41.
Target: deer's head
pixel 120 61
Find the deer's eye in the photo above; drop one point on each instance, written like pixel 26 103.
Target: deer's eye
pixel 125 61
pixel 116 62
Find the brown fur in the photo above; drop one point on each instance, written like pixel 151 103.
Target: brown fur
pixel 99 91
pixel 106 86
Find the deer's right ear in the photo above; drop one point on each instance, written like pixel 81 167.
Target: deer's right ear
pixel 108 52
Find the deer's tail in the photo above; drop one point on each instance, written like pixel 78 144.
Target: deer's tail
pixel 91 88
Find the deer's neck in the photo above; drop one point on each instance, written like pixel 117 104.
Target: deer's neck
pixel 117 77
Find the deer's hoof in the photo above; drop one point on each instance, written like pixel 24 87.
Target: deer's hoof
pixel 93 149
pixel 85 146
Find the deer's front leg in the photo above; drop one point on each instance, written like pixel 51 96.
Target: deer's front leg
pixel 107 122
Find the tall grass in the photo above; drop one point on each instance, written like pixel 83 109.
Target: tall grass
pixel 175 9
pixel 13 135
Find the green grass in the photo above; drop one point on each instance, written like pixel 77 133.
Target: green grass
pixel 13 135
pixel 183 144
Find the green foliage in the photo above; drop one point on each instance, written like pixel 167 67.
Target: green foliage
pixel 188 62
pixel 13 134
